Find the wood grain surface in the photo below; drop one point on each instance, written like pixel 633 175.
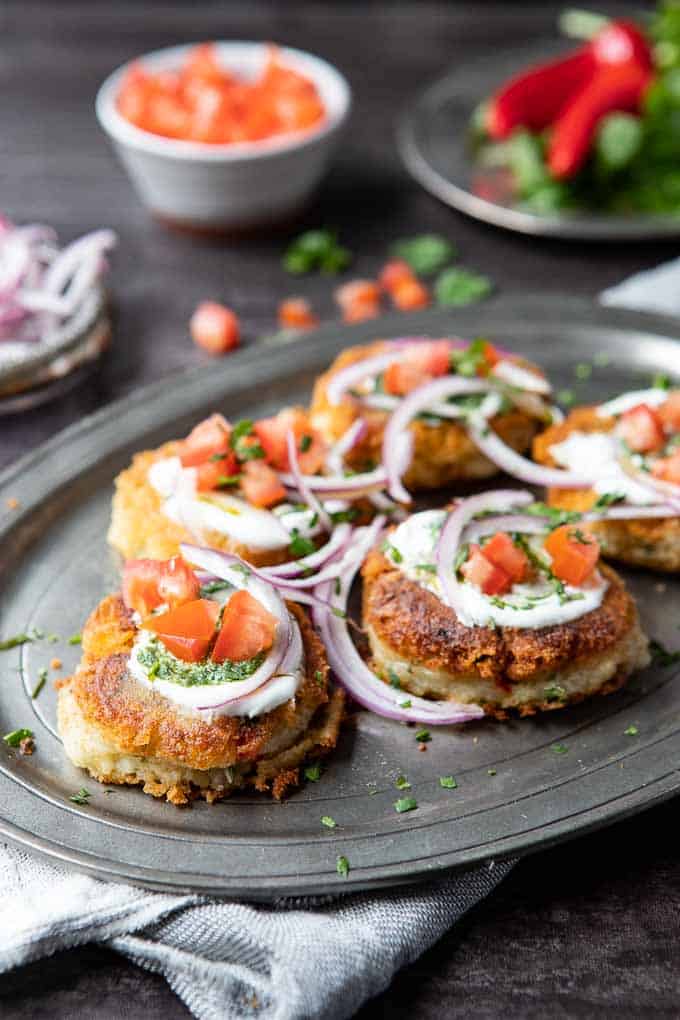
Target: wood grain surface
pixel 590 928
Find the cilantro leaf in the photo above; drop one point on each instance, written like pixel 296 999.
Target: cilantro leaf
pixel 405 804
pixel 456 287
pixel 425 253
pixel 316 250
pixel 14 738
pixel 342 867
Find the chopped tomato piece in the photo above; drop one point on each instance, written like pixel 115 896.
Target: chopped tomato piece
pixel 574 553
pixel 403 376
pixel 641 429
pixel 360 311
pixel 208 438
pixel 273 436
pixel 261 485
pixel 492 580
pixel 247 629
pixel 296 313
pixel 502 552
pixel 491 355
pixel 358 299
pixel 668 468
pixel 409 295
pixel 669 411
pixel 187 631
pixel 433 356
pixel 394 273
pixel 150 583
pixel 215 328
pixel 210 473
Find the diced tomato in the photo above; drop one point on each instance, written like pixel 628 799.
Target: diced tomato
pixel 150 583
pixel 641 428
pixel 296 313
pixel 187 631
pixel 402 377
pixel 669 411
pixel 502 552
pixel 394 273
pixel 261 485
pixel 360 311
pixel 433 356
pixel 207 439
pixel 492 580
pixel 491 355
pixel 247 629
pixel 357 292
pixel 208 474
pixel 668 468
pixel 574 553
pixel 273 436
pixel 215 328
pixel 409 295
pixel 201 62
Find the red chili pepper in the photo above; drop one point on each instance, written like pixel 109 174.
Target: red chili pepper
pixel 536 97
pixel 614 88
pixel 539 96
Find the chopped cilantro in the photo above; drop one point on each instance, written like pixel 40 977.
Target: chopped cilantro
pixel 318 676
pixel 42 680
pixel 242 441
pixel 227 481
pixel 661 656
pixel 81 797
pixel 305 443
pixel 566 397
pixel 468 360
pixel 75 639
pixel 491 772
pixel 212 586
pixel 405 704
pixel 313 773
pixel 425 253
pixel 461 557
pixel 316 250
pixel 608 499
pixel 560 748
pixel 555 517
pixel 393 679
pixel 448 782
pixel 14 642
pixel 661 381
pixel 423 736
pixel 555 692
pixel 405 804
pixel 329 822
pixel 402 783
pixel 342 867
pixel 299 545
pixel 631 731
pixel 392 551
pixel 14 738
pixel 159 662
pixel 340 516
pixel 457 287
pixel 215 457
pixel 583 370
pixel 601 359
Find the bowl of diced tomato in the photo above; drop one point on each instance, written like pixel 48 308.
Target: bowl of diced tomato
pixel 224 135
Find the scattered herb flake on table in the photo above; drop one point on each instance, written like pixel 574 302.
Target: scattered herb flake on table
pixel 316 250
pixel 456 287
pixel 425 253
pixel 423 736
pixel 76 639
pixel 631 731
pixel 405 804
pixel 42 680
pixel 14 642
pixel 448 782
pixel 560 748
pixel 14 738
pixel 81 797
pixel 342 867
pixel 313 773
pixel 402 783
pixel 661 656
pixel 329 822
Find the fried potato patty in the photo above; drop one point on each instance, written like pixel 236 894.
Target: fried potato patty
pixel 414 635
pixel 647 542
pixel 442 454
pixel 139 528
pixel 124 733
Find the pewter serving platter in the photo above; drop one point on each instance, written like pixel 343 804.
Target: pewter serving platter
pixel 433 140
pixel 515 793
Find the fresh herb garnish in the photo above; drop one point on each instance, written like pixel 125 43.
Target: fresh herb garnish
pixel 305 443
pixel 661 381
pixel 491 772
pixel 423 736
pixel 161 664
pixel 212 586
pixel 228 481
pixel 341 516
pixel 405 704
pixel 560 748
pixel 583 370
pixel 456 287
pixel 316 250
pixel 661 656
pixel 342 867
pixel 329 822
pixel 392 551
pixel 608 499
pixel 425 253
pixel 469 360
pixel 448 782
pixel 299 545
pixel 393 679
pixel 75 639
pixel 313 773
pixel 631 731
pixel 566 397
pixel 42 680
pixel 242 441
pixel 405 804
pixel 555 692
pixel 318 676
pixel 14 642
pixel 555 517
pixel 81 797
pixel 402 783
pixel 14 738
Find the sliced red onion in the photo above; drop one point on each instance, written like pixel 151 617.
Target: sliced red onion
pixel 524 524
pixel 450 538
pixel 363 685
pixel 307 495
pixel 397 449
pixel 630 512
pixel 340 486
pixel 508 371
pixel 347 377
pixel 294 568
pixel 504 457
pixel 336 455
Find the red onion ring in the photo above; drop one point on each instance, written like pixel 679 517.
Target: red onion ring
pixel 525 524
pixel 340 486
pixel 630 513
pixel 294 568
pixel 509 372
pixel 307 495
pixel 504 457
pixel 347 377
pixel 347 441
pixel 651 484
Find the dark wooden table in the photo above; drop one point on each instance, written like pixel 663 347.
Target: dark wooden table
pixel 590 927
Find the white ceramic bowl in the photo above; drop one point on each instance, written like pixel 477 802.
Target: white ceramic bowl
pixel 233 186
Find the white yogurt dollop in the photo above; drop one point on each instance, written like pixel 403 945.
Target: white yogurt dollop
pixel 598 451
pixel 227 514
pixel 526 606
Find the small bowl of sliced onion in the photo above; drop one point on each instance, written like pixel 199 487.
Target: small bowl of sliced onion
pixel 224 136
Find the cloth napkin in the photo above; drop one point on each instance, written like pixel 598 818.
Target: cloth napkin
pixel 291 960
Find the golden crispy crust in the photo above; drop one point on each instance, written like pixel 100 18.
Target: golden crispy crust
pixel 139 528
pixel 442 454
pixel 647 542
pixel 140 723
pixel 412 624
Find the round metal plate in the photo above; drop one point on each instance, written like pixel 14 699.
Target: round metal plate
pixel 514 793
pixel 433 139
